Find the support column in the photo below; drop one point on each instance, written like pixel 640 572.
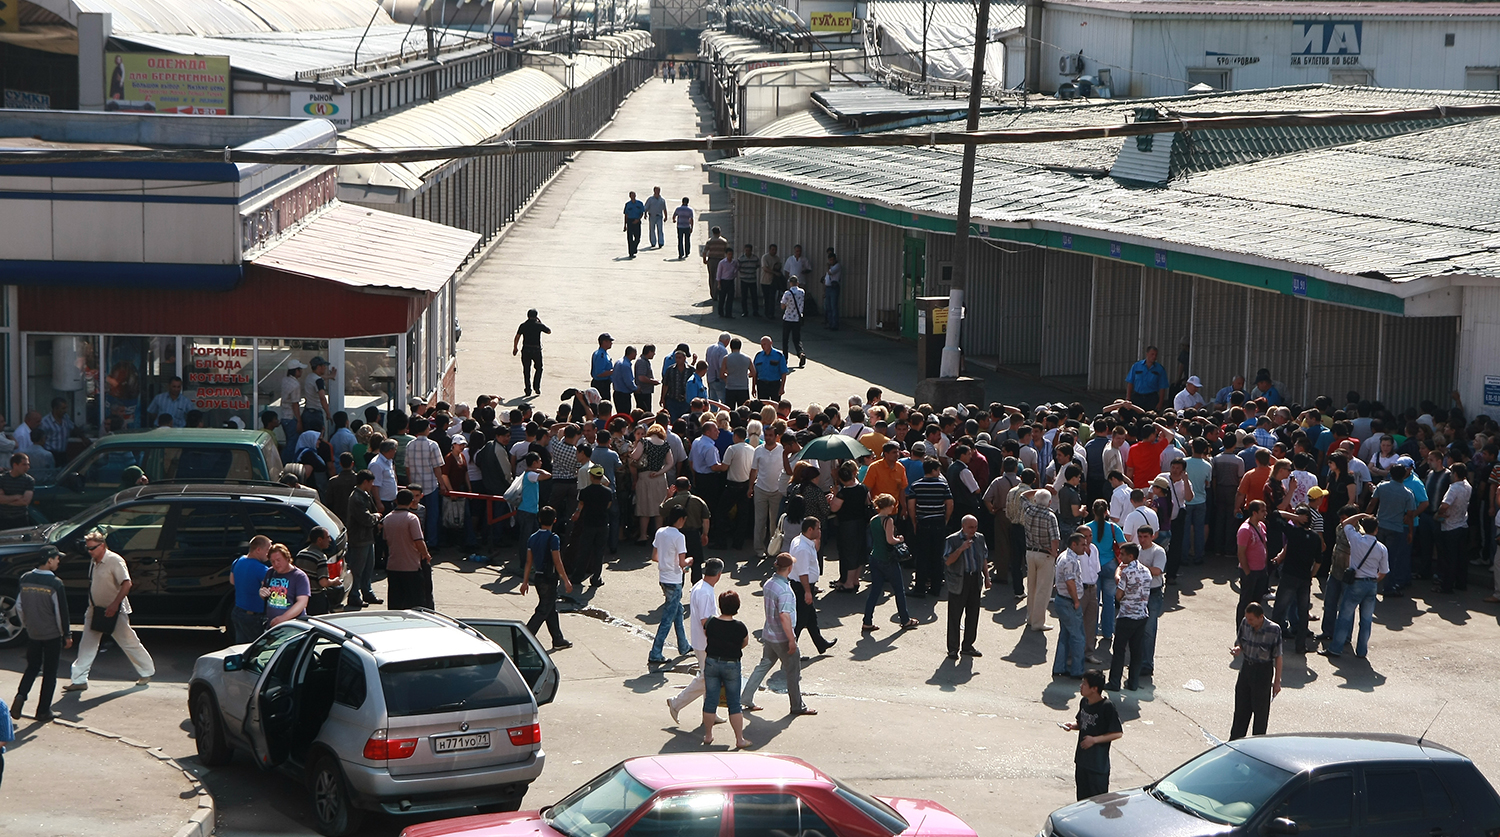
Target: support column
pixel 93 38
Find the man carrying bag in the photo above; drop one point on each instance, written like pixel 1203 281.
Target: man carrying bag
pixel 108 613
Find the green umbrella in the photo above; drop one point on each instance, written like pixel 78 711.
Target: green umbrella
pixel 837 446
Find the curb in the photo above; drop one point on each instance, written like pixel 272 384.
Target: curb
pixel 201 823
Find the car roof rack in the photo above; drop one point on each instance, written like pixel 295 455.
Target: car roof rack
pixel 345 632
pixel 447 620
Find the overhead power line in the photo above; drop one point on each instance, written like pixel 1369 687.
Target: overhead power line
pixel 924 138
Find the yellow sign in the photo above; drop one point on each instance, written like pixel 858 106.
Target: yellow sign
pixel 831 21
pixel 10 15
pixel 940 320
pixel 153 82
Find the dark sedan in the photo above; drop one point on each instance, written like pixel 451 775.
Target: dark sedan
pixel 1328 785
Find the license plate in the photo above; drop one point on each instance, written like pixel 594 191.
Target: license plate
pixel 459 743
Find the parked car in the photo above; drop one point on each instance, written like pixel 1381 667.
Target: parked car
pixel 405 711
pixel 1328 785
pixel 177 541
pixel 165 454
pixel 695 795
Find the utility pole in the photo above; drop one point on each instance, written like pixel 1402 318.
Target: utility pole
pixel 925 21
pixel 952 354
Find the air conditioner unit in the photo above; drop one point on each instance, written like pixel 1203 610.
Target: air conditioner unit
pixel 1070 65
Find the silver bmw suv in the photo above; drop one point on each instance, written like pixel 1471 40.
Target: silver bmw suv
pixel 405 711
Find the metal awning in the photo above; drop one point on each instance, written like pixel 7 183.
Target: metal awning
pixel 368 248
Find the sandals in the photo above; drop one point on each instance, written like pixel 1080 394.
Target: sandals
pixel 910 623
pixel 752 708
pixel 868 628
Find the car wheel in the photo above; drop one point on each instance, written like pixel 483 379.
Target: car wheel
pixel 208 730
pixel 332 805
pixel 11 630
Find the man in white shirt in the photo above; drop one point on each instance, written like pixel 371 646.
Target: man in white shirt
pixel 703 606
pixel 1370 562
pixel 1153 558
pixel 714 356
pixel 669 551
pixel 767 476
pixel 798 266
pixel 1190 396
pixel 1119 497
pixel 804 552
pixel 793 307
pixel 739 494
pixel 1140 515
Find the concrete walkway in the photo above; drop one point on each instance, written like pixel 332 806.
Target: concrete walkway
pixel 567 258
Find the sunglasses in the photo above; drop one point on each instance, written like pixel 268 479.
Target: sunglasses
pixel 92 546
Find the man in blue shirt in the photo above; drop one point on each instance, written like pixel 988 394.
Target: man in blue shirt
pixel 247 574
pixel 1265 389
pixel 770 371
pixel 1146 385
pixel 1236 384
pixel 172 402
pixel 1394 507
pixel 601 368
pixel 622 378
pixel 634 211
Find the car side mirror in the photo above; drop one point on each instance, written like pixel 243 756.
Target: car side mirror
pixel 1281 825
pixel 233 661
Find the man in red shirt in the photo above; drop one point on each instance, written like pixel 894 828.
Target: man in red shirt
pixel 1143 462
pixel 1253 484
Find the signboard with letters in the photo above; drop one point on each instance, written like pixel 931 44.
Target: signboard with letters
pixel 1491 390
pixel 1326 43
pixel 153 82
pixel 220 377
pixel 26 100
pixel 831 21
pixel 313 104
pixel 1227 59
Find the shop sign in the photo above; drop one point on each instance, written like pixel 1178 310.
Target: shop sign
pixel 503 38
pixel 1224 59
pixel 334 107
pixel 1326 43
pixel 1491 390
pixel 220 376
pixel 841 22
pixel 153 82
pixel 1299 284
pixel 26 100
pixel 284 211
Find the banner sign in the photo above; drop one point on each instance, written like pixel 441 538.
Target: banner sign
pixel 150 82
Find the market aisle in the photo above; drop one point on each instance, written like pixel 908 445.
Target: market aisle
pixel 567 258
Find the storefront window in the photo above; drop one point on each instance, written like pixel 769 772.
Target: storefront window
pixel 416 350
pixel 369 374
pixel 62 377
pixel 219 377
pixel 274 359
pixel 137 371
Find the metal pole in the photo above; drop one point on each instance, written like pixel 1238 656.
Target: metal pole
pixel 952 354
pixel 925 20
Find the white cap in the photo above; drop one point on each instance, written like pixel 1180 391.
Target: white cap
pixel 295 364
pixel 1194 381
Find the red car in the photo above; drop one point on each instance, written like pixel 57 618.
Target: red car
pixel 713 795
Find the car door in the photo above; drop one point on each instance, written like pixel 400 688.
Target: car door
pixel 272 711
pixel 1406 800
pixel 135 533
pixel 202 540
pixel 526 651
pixel 1321 807
pixel 782 814
pixel 692 814
pixel 240 683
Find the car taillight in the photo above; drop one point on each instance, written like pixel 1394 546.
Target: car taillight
pixel 380 747
pixel 521 736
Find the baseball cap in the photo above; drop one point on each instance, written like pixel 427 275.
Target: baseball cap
pixel 295 364
pixel 460 440
pixel 1194 381
pixel 1162 482
pixel 605 336
pixel 919 447
pixel 596 470
pixel 317 360
pixel 1316 493
pixel 1406 462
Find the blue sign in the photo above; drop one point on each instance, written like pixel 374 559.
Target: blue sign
pixel 1326 43
pixel 1067 241
pixel 503 38
pixel 830 202
pixel 763 189
pixel 1115 249
pixel 1299 284
pixel 794 194
pixel 861 209
pixel 735 181
pixel 1161 258
pixel 1491 390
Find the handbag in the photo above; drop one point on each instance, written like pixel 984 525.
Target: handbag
pixel 773 546
pixel 1350 572
pixel 903 554
pixel 99 621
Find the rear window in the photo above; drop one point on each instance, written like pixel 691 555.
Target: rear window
pixel 881 813
pixel 322 517
pixel 450 684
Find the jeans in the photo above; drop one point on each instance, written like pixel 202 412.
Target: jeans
pixel 831 305
pixel 41 659
pixel 1361 596
pixel 1252 698
pixel 1293 602
pixel 633 235
pixel 721 677
pixel 1333 593
pixel 717 391
pixel 248 625
pixel 684 241
pixel 1154 606
pixel 654 230
pixel 546 611
pixel 671 619
pixel 884 573
pixel 791 665
pixel 432 527
pixel 525 528
pixel 1130 637
pixel 767 509
pixel 929 549
pixel 749 299
pixel 1399 551
pixel 1107 588
pixel 1197 523
pixel 1069 656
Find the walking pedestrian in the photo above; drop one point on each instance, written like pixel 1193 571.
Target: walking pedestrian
pixel 590 529
pixel 1132 594
pixel 1097 724
pixel 108 613
pixel 749 287
pixel 683 217
pixel 1369 563
pixel 656 215
pixel 703 605
pixel 1259 650
pixel 804 550
pixel 778 641
pixel 408 573
pixel 42 604
pixel 528 344
pixel 966 569
pixel 725 640
pixel 669 552
pixel 1067 603
pixel 634 210
pixel 247 574
pixel 362 517
pixel 544 570
pixel 885 566
pixel 793 304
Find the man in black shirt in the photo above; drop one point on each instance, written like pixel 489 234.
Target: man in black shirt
pixel 16 487
pixel 1299 559
pixel 1097 725
pixel 528 344
pixel 591 529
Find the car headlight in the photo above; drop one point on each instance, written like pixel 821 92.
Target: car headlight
pixel 1046 829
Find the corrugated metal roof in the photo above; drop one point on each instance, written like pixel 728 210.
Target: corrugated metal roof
pixel 469 116
pixel 222 17
pixel 368 248
pixel 804 124
pixel 1287 9
pixel 1398 208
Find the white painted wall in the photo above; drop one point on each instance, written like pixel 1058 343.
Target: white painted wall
pixel 1478 346
pixel 1103 38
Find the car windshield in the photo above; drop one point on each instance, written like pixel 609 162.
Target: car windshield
pixel 62 529
pixel 595 808
pixel 451 684
pixel 1222 785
